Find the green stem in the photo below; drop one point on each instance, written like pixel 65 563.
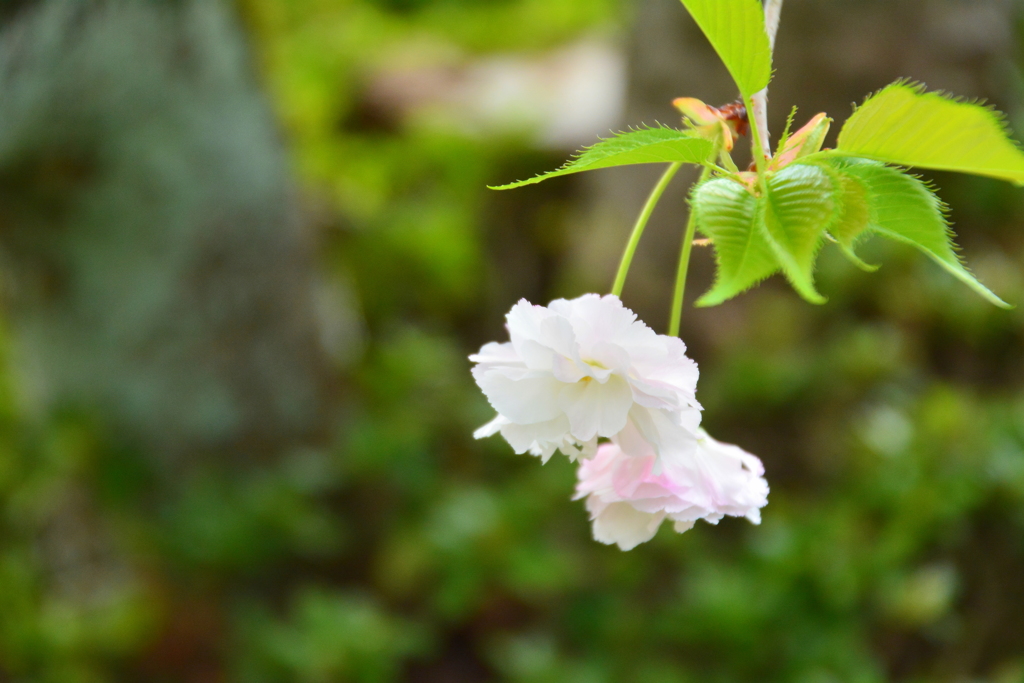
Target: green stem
pixel 641 223
pixel 684 266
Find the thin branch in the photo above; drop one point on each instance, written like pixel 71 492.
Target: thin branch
pixel 772 11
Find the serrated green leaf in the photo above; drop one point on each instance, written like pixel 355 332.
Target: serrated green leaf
pixel 853 220
pixel 906 126
pixel 728 214
pixel 799 206
pixel 736 30
pixel 643 146
pixel 903 208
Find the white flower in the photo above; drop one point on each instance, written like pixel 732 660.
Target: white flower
pixel 582 369
pixel 628 496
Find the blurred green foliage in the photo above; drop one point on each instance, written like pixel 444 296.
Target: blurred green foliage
pixel 891 423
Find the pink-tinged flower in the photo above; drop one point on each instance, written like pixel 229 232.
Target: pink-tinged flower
pixel 582 369
pixel 629 496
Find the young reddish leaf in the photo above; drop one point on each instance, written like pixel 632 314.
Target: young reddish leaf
pixel 706 121
pixel 805 141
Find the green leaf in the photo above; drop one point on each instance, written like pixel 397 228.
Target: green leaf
pixel 903 208
pixel 755 237
pixel 643 146
pixel 906 126
pixel 799 205
pixel 729 215
pixel 736 31
pixel 853 220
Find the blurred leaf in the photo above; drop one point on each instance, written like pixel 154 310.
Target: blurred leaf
pixel 240 523
pixel 330 637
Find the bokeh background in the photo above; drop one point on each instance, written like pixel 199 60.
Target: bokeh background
pixel 247 246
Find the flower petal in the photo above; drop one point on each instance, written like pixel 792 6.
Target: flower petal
pixel 625 526
pixel 526 400
pixel 682 526
pixel 610 358
pixel 540 438
pixel 662 430
pixel 491 428
pixel 568 370
pixel 698 478
pixel 596 409
pixel 497 354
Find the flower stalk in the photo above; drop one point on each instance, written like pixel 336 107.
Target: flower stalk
pixel 684 265
pixel 641 225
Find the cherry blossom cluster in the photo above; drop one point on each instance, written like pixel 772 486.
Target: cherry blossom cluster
pixel 587 378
